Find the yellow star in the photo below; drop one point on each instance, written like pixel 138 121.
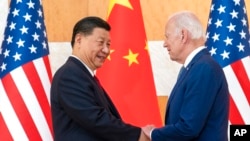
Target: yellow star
pixel 125 3
pixel 111 51
pixel 131 57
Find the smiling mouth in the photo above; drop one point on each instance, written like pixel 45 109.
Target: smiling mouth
pixel 103 58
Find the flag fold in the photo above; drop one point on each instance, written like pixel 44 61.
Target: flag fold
pixel 228 41
pixel 127 73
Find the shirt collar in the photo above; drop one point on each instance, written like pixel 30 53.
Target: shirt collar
pixel 90 71
pixel 191 55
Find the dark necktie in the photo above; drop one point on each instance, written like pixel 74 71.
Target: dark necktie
pixel 97 81
pixel 106 98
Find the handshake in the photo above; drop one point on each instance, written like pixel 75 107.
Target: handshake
pixel 145 133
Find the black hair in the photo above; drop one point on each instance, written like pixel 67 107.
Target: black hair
pixel 87 25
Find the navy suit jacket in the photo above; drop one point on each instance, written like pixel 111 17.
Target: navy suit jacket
pixel 81 109
pixel 198 106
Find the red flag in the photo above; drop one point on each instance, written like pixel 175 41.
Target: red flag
pixel 127 74
pixel 25 75
pixel 228 40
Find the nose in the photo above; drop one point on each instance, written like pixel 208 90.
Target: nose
pixel 165 45
pixel 106 49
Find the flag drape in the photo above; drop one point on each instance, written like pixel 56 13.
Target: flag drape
pixel 228 40
pixel 127 74
pixel 25 75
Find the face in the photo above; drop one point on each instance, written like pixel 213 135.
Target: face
pixel 94 48
pixel 173 41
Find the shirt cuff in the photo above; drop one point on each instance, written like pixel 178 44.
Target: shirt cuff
pixel 150 133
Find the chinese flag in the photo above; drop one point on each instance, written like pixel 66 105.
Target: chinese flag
pixel 127 74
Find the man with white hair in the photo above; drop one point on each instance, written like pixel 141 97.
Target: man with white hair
pixel 198 105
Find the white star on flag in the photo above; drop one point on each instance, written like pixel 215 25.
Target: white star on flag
pixel 228 41
pixel 25 75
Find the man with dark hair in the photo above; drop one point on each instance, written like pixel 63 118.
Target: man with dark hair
pixel 81 109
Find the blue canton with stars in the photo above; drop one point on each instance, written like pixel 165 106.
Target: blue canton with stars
pixel 24 37
pixel 228 31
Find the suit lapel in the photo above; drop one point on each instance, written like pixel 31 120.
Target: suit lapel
pixel 101 93
pixel 176 86
pixel 185 73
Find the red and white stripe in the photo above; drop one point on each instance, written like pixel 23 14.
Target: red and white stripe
pixel 24 103
pixel 238 78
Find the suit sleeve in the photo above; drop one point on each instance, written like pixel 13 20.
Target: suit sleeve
pixel 200 89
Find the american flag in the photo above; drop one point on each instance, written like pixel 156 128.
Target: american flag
pixel 228 40
pixel 25 75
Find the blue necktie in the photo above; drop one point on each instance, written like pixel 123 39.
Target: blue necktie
pixel 181 72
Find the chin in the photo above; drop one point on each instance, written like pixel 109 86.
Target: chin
pixel 99 65
pixel 173 59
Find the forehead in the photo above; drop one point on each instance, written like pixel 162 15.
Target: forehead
pixel 101 32
pixel 170 26
pixel 169 29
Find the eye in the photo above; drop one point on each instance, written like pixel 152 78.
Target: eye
pixel 108 44
pixel 100 42
pixel 166 37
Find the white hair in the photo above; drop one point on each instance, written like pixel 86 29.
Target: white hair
pixel 188 20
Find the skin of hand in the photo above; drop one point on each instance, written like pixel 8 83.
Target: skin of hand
pixel 147 129
pixel 143 137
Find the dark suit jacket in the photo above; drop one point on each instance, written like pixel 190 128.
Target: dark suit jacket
pixel 198 106
pixel 81 109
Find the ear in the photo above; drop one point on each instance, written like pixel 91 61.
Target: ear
pixel 78 38
pixel 184 35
